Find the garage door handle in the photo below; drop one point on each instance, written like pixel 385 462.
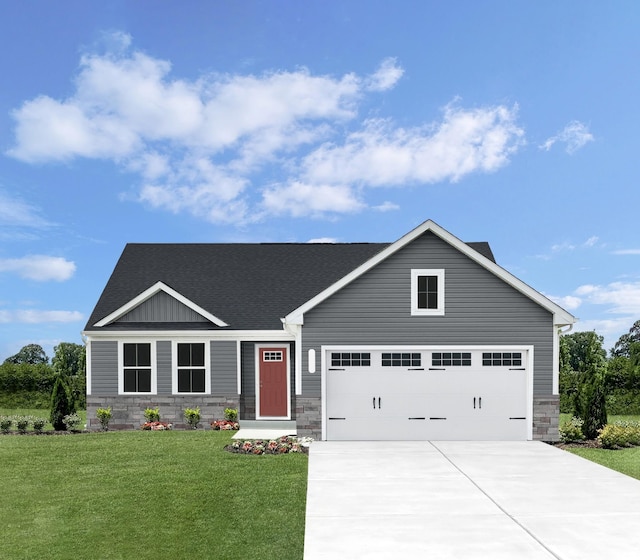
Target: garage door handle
pixel 479 402
pixel 332 418
pixel 436 418
pixel 517 369
pixel 474 402
pixel 379 403
pixel 418 418
pixel 517 418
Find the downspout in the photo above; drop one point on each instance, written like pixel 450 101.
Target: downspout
pixel 556 355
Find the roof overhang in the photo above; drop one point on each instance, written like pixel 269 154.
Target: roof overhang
pixel 561 316
pixel 152 291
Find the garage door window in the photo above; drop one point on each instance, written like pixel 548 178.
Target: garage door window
pixel 404 359
pixel 439 359
pixel 349 359
pixel 502 358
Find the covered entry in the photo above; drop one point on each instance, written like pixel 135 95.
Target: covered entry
pixel 425 393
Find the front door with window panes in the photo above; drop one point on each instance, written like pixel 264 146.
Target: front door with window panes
pixel 191 367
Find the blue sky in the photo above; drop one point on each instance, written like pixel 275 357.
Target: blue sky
pixel 224 121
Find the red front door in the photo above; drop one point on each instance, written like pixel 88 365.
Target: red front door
pixel 273 382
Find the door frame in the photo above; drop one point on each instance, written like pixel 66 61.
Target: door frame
pixel 528 348
pixel 275 346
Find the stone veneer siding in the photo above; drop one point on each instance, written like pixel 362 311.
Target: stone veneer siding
pixel 546 416
pixel 128 412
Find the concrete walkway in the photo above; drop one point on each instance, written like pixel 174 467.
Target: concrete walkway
pixel 466 500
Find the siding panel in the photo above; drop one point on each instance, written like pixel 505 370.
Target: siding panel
pixel 480 309
pixel 163 349
pixel 161 308
pixel 104 367
pixel 223 367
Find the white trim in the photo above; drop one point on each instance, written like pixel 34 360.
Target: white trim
pixel 87 366
pixel 276 336
pixel 259 347
pixel 561 317
pixel 154 366
pixel 239 365
pixel 152 291
pixel 174 366
pixel 529 349
pixel 415 274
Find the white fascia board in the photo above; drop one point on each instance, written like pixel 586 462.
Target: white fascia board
pixel 263 335
pixel 150 292
pixel 561 317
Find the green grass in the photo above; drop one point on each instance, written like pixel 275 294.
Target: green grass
pixel 626 461
pixel 156 495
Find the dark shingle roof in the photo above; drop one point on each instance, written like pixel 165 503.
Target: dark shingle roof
pixel 249 286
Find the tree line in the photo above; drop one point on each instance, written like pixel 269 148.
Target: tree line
pixel 29 380
pixel 594 383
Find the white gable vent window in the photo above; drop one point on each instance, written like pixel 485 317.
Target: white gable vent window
pixel 427 291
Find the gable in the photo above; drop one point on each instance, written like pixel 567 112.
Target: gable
pixel 560 316
pixel 162 308
pixel 159 304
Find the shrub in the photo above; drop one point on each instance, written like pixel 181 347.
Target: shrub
pixel 5 424
pixel 72 422
pixel 572 430
pixel 620 434
pixel 104 415
pixel 22 423
pixel 152 414
pixel 231 414
pixel 192 417
pixel 38 424
pixel 61 404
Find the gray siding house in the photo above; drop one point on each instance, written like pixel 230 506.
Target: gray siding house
pixel 426 338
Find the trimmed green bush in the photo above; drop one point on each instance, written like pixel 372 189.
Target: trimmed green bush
pixel 572 430
pixel 620 434
pixel 192 417
pixel 152 414
pixel 104 415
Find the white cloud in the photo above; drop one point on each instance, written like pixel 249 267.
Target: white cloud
pixel 575 135
pixel 34 316
pixel 198 144
pixel 465 141
pixel 386 76
pixel 621 297
pixel 323 240
pixel 16 212
pixel 39 267
pixel 570 303
pixel 627 252
pixel 302 199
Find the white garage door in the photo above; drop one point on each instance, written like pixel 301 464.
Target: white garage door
pixel 426 394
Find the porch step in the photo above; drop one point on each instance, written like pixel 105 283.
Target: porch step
pixel 265 429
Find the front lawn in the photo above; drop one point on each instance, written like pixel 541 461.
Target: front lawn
pixel 156 495
pixel 626 461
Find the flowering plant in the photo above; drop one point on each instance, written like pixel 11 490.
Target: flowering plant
pixel 156 426
pixel 225 425
pixel 285 444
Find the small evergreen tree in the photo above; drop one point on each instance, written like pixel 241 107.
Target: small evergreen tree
pixel 594 408
pixel 61 403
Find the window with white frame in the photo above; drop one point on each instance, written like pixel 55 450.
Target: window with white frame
pixel 192 367
pixel 137 367
pixel 427 291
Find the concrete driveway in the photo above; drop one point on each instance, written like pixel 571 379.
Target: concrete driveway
pixel 466 500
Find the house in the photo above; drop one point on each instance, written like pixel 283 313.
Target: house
pixel 426 338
